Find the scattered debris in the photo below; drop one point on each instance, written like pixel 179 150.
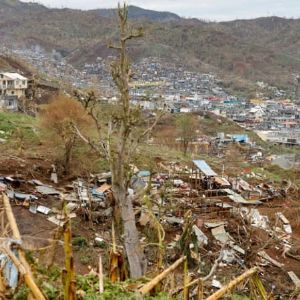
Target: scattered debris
pixel 174 220
pixel 220 234
pixel 201 237
pixel 257 220
pixel 56 221
pixel 216 284
pixel 228 256
pixel 47 190
pixel 43 210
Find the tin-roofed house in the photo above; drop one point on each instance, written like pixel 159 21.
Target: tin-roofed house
pixel 12 87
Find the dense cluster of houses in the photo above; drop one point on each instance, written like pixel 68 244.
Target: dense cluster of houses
pixel 276 121
pixel 157 84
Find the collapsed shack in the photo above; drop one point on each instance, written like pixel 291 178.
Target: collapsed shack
pixel 209 185
pixel 202 175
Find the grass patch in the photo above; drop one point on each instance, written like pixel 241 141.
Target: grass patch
pixel 18 126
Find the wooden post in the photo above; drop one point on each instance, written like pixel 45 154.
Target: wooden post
pixel 69 273
pixel 16 235
pixel 101 285
pixel 227 288
pixel 151 284
pixel 186 281
pixel 200 290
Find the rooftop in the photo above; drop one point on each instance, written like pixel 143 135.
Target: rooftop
pixel 13 76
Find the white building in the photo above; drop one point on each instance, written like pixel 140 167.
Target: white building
pixel 12 88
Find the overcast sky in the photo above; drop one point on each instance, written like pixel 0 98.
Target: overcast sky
pixel 203 9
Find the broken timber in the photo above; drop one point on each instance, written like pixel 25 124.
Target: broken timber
pixel 232 284
pixel 144 290
pixel 24 268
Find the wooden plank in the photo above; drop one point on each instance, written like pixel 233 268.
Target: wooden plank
pixel 294 278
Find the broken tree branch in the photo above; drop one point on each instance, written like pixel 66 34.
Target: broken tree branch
pixel 133 35
pixel 151 284
pixel 98 149
pixel 232 284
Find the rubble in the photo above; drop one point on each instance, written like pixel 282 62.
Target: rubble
pixel 228 256
pixel 47 190
pixel 238 230
pixel 174 220
pixel 220 234
pixel 257 220
pixel 201 237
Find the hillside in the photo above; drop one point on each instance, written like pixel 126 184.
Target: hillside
pixel 10 64
pixel 241 51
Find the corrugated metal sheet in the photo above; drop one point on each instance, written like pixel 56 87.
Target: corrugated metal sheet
pixel 237 198
pixel 204 168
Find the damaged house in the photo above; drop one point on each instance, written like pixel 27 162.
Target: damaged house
pixel 12 88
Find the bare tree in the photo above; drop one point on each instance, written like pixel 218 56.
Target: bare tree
pixel 119 138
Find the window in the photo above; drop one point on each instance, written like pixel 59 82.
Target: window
pixel 23 82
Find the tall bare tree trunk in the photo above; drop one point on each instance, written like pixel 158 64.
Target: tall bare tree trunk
pixel 120 142
pixel 119 151
pixel 131 235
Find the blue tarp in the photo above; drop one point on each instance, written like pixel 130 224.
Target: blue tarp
pixel 97 194
pixel 241 138
pixel 204 168
pixel 10 271
pixel 143 174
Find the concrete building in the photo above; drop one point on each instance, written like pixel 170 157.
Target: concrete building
pixel 12 88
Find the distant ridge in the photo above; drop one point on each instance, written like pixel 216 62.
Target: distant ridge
pixel 135 12
pixel 17 5
pixel 241 52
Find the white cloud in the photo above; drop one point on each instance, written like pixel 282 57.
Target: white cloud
pixel 204 9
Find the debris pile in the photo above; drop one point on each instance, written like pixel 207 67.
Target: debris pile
pixel 222 225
